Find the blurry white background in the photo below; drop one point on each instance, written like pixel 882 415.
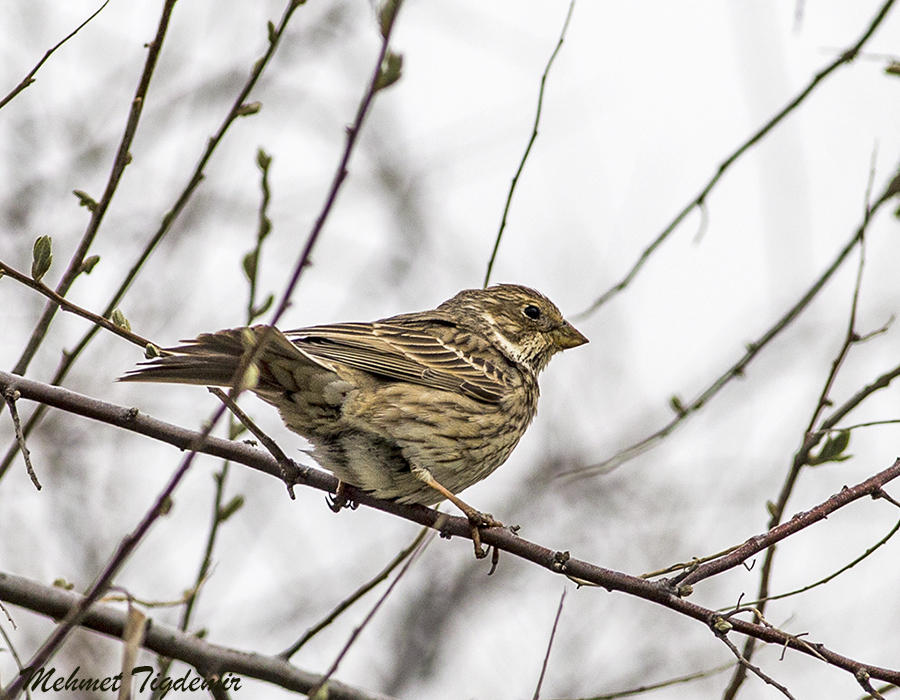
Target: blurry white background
pixel 643 103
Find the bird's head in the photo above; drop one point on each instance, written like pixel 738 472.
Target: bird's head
pixel 524 324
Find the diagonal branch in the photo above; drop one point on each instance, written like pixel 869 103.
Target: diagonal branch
pixel 698 201
pixel 662 592
pixel 98 209
pixel 355 596
pixel 239 108
pixel 754 348
pixel 870 487
pixel 66 305
pixel 29 78
pixel 534 135
pixel 389 12
pixel 167 641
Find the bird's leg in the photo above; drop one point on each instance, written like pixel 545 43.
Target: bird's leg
pixel 476 518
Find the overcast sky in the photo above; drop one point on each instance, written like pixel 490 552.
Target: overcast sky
pixel 644 102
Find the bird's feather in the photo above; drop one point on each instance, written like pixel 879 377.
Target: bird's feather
pixel 401 353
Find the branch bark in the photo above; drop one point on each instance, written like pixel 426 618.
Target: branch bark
pixel 207 658
pixel 661 592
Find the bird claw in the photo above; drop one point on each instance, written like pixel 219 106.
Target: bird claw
pixel 478 520
pixel 340 500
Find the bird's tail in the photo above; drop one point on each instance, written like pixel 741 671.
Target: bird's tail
pixel 216 359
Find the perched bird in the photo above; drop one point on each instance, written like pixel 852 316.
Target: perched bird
pixel 416 407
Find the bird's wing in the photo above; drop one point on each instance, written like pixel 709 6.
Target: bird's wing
pixel 403 353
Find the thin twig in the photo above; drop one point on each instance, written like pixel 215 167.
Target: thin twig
pixel 388 20
pixel 289 466
pixel 692 564
pixel 643 689
pixel 881 493
pixel 537 690
pixel 795 639
pixel 238 109
pixel 98 209
pixel 29 79
pixel 355 596
pixel 739 368
pixel 867 424
pixel 190 598
pixel 128 544
pixel 837 573
pixel 263 229
pixel 758 543
pixel 11 396
pixel 559 562
pixel 534 133
pixel 755 669
pixel 67 305
pixel 838 414
pixel 846 57
pixel 368 618
pixel 863 679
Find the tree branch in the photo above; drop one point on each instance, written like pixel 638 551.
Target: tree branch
pixel 738 369
pixel 238 109
pixel 98 209
pixel 870 487
pixel 846 57
pixel 164 640
pixel 29 78
pixel 661 592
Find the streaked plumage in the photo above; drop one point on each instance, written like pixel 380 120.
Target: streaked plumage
pixel 446 393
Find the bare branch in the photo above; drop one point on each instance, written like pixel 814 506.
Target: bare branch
pixel 11 396
pixel 167 641
pixel 355 596
pixel 799 522
pixel 755 669
pixel 640 690
pixel 893 531
pixel 846 57
pixel 663 592
pixel 368 618
pixel 534 134
pixel 389 13
pixel 537 690
pixel 288 465
pixel 98 209
pixel 738 369
pixel 67 305
pixel 29 79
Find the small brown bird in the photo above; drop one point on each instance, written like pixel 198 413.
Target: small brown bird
pixel 416 407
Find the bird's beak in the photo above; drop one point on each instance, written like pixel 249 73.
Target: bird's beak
pixel 566 336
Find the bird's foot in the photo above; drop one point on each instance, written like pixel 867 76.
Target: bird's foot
pixel 340 500
pixel 477 521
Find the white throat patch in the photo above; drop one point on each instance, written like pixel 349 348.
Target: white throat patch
pixel 509 349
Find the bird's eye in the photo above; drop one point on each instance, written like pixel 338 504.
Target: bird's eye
pixel 533 312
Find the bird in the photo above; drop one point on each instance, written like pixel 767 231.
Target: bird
pixel 414 408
